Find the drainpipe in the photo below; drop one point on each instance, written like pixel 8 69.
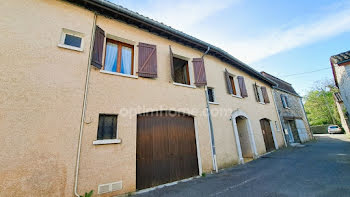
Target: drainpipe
pixel 212 140
pixel 84 108
pixel 279 117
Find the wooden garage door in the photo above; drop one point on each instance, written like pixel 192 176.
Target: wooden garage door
pixel 267 133
pixel 166 149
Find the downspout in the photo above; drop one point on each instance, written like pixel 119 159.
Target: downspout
pixel 84 107
pixel 212 140
pixel 279 117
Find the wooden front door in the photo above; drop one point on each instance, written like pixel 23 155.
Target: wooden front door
pixel 267 133
pixel 166 149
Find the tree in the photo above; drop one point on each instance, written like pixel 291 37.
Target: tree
pixel 320 105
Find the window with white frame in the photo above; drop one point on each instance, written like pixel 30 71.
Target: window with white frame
pixel 71 40
pixel 119 57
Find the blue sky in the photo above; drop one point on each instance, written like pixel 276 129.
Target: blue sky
pixel 280 37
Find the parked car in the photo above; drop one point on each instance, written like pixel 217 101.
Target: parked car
pixel 334 129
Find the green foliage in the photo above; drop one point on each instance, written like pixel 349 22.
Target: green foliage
pixel 320 107
pixel 88 194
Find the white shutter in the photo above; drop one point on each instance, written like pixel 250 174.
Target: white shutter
pixel 301 130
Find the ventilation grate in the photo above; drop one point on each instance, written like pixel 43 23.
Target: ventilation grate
pixel 110 187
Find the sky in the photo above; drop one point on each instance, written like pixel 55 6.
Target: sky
pixel 281 37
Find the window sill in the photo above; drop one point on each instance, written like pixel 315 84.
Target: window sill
pixel 70 47
pixel 118 74
pixel 237 96
pixel 213 103
pixel 111 141
pixel 184 85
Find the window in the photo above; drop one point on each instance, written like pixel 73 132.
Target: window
pixel 261 94
pixel 285 103
pixel 181 74
pixel 233 85
pixel 107 127
pixel 211 95
pixel 71 40
pixel 119 57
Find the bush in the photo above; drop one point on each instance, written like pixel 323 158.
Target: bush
pixel 319 129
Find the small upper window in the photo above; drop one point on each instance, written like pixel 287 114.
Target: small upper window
pixel 181 74
pixel 284 99
pixel 71 40
pixel 233 85
pixel 107 127
pixel 211 95
pixel 119 57
pixel 260 94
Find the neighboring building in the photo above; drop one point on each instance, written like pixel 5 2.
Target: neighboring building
pixel 95 96
pixel 341 72
pixel 291 111
pixel 342 112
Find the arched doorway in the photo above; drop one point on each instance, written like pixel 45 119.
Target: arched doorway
pixel 244 137
pixel 268 135
pixel 166 149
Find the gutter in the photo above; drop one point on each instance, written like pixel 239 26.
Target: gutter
pixel 211 129
pixel 215 51
pixel 84 108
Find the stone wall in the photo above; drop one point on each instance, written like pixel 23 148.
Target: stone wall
pixel 295 110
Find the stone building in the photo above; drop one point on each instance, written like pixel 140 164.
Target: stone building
pixel 341 72
pixel 291 111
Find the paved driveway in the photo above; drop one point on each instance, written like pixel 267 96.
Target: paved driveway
pixel 321 168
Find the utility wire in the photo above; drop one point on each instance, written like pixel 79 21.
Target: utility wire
pixel 306 72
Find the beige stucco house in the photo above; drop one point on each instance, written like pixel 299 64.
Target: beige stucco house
pixel 341 72
pixel 97 97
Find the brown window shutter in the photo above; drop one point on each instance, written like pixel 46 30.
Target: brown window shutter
pixel 242 87
pixel 147 60
pixel 228 82
pixel 199 72
pixel 98 48
pixel 172 64
pixel 255 88
pixel 265 95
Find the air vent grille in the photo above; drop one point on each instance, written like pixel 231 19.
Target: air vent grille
pixel 110 187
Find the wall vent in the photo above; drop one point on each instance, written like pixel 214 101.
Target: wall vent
pixel 110 187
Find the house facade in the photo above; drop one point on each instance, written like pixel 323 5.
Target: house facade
pixel 97 97
pixel 341 72
pixel 291 111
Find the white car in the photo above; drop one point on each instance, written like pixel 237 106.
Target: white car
pixel 334 129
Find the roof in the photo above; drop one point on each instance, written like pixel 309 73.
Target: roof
pixel 341 58
pixel 122 14
pixel 281 85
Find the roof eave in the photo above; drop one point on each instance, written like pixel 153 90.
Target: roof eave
pixel 170 33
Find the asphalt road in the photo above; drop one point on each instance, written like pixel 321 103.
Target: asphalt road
pixel 321 168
